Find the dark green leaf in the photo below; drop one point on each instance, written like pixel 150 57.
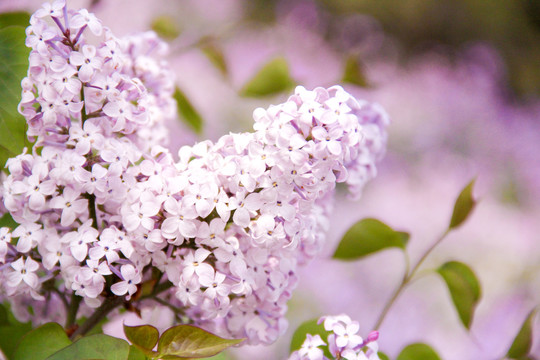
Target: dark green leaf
pixel 273 78
pixel 215 55
pixel 11 332
pixel 383 356
pixel 368 236
pixel 191 342
pixel 17 18
pixel 166 27
pixel 7 220
pixel 353 72
pixel 309 327
pixel 13 67
pixel 521 346
pixel 98 346
pixel 418 351
pixel 464 289
pixel 4 320
pixel 144 337
pixel 464 205
pixel 136 354
pixel 42 342
pixel 187 111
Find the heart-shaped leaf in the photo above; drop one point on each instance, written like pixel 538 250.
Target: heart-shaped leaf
pixel 369 236
pixel 273 78
pixel 136 354
pixel 464 289
pixel 220 356
pixel 42 342
pixel 186 341
pixel 144 337
pixel 521 346
pixel 463 207
pixel 418 351
pixel 98 346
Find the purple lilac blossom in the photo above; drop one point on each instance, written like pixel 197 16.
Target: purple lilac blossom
pixel 100 203
pixel 343 342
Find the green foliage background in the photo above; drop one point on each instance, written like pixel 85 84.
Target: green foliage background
pixel 510 26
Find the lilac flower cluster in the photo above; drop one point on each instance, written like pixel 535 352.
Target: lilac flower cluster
pixel 247 210
pixel 104 209
pixel 343 342
pixel 92 110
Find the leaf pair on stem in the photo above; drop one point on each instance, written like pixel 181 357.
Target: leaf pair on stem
pixel 50 342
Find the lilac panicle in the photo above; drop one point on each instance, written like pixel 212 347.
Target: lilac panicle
pixel 102 206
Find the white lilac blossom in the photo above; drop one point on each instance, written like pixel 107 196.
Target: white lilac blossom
pixel 255 206
pixel 103 208
pixel 343 342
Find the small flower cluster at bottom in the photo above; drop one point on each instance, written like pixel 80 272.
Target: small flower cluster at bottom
pixel 343 342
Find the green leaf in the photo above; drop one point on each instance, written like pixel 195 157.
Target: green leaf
pixel 136 354
pixel 42 342
pixel 368 236
pixel 166 27
pixel 144 337
pixel 309 327
pixel 216 57
pixel 521 346
pixel 190 116
pixel 353 73
pixel 17 18
pixel 7 221
pixel 11 332
pixel 418 351
pixel 191 342
pixel 271 79
pixel 464 289
pixel 4 319
pixel 98 346
pixel 220 356
pixel 13 67
pixel 383 356
pixel 464 205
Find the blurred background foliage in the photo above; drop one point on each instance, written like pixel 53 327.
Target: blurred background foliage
pixel 447 26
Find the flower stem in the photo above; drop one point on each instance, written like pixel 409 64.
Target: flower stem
pixel 409 274
pixel 390 302
pixel 178 312
pixel 108 305
pixel 74 303
pixel 92 209
pixel 84 116
pixel 427 252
